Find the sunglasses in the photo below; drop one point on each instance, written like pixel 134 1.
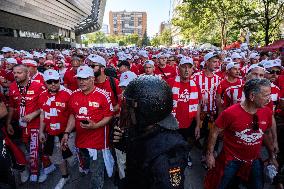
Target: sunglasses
pixel 93 65
pixel 277 72
pixel 49 66
pixel 51 81
pixel 255 125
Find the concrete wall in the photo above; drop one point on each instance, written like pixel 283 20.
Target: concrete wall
pixel 22 23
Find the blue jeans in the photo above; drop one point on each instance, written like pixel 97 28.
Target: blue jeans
pixel 229 179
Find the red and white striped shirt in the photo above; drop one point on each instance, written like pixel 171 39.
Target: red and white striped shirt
pixel 208 87
pixel 235 95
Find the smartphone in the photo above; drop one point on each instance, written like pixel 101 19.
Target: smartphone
pixel 84 121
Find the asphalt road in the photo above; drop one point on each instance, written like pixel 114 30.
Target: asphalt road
pixel 195 175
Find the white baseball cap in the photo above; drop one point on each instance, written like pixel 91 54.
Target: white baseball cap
pixel 231 65
pixel 210 55
pixel 97 59
pixel 50 74
pixel 228 60
pixel 29 56
pixel 236 55
pixel 11 60
pixel 186 60
pixel 150 62
pixel 253 66
pixel 254 56
pixel 126 77
pixel 272 63
pixel 143 54
pixel 29 62
pixel 85 72
pixel 7 49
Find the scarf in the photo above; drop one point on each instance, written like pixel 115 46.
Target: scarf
pixel 193 97
pixel 23 92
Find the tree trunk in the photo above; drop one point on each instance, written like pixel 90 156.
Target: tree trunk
pixel 267 22
pixel 223 35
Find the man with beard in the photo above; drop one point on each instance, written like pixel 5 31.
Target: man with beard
pixel 156 154
pixel 207 82
pixel 109 84
pixel 239 160
pixel 90 112
pixel 61 69
pixel 23 106
pixel 53 120
pixel 34 74
pixel 70 81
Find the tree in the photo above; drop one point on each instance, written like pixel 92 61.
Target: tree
pixel 145 40
pixel 155 41
pixel 269 14
pixel 166 37
pixel 220 21
pixel 96 37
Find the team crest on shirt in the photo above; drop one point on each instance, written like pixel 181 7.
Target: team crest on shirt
pixel 184 96
pixel 30 92
pixel 83 110
pixel 126 77
pixel 94 104
pixel 175 176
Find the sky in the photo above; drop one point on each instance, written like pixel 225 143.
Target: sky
pixel 157 11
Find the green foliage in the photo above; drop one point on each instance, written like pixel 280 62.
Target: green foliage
pixel 122 40
pixel 220 21
pixel 165 38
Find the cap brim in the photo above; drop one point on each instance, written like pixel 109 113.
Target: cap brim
pixel 123 84
pixel 83 76
pixel 51 78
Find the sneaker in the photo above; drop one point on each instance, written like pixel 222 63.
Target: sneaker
pixel 24 176
pixel 61 183
pixel 42 177
pixel 49 169
pixel 33 178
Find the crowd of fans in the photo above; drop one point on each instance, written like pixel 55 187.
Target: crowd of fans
pixel 62 106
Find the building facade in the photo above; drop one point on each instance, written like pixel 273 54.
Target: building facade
pixel 124 23
pixel 48 24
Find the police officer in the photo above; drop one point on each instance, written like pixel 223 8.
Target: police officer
pixel 156 154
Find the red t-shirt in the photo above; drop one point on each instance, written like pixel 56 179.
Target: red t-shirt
pixel 169 71
pixel 183 118
pixel 106 86
pixel 240 140
pixel 134 69
pixel 32 105
pixel 94 106
pixel 38 77
pixel 55 109
pixel 221 74
pixel 224 84
pixel 70 81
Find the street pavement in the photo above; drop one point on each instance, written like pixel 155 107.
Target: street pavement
pixel 195 175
